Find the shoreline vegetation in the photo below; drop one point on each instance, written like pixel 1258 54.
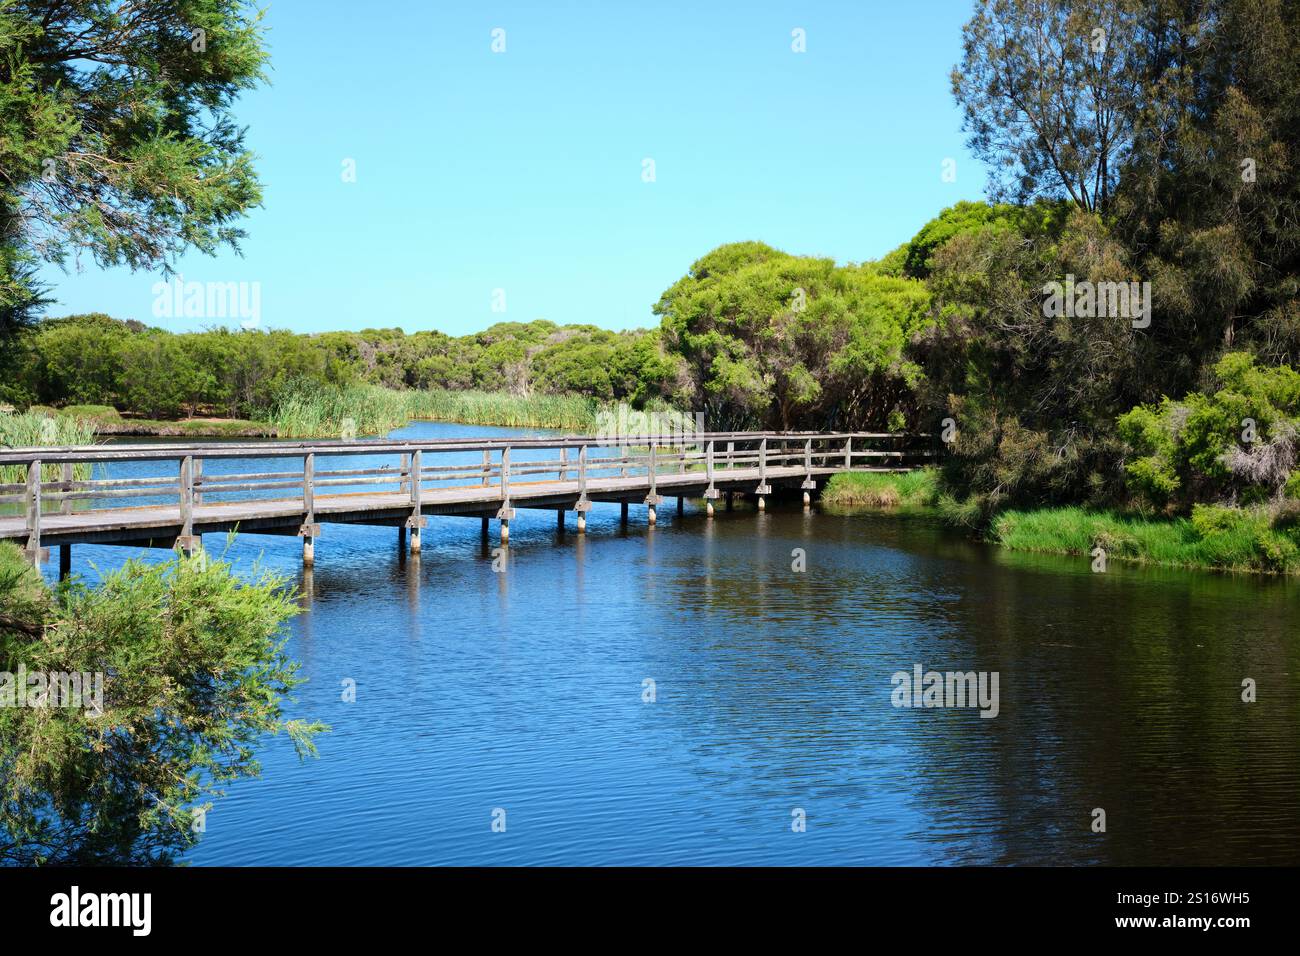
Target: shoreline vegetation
pixel 311 412
pixel 1260 539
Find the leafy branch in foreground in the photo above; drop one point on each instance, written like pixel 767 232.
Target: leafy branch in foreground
pixel 194 676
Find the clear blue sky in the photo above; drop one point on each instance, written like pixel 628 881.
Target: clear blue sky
pixel 523 170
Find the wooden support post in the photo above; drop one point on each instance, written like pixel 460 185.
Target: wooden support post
pixel 652 498
pixel 65 561
pixel 622 512
pixel 32 499
pixel 708 507
pixel 559 520
pixel 308 510
pixel 65 506
pixel 808 483
pixel 185 540
pixel 731 500
pixel 681 505
pixel 583 505
pixel 401 539
pixel 763 488
pixel 505 513
pixel 416 521
pixel 483 529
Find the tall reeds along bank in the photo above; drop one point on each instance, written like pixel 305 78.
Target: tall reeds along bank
pixel 180 675
pixel 308 410
pixel 36 430
pixel 571 412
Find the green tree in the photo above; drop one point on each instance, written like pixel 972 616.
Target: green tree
pixel 1048 92
pixel 193 677
pixel 785 341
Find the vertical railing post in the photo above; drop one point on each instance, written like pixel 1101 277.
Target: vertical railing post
pixel 763 488
pixel 32 500
pixel 65 506
pixel 583 505
pixel 652 498
pixel 564 462
pixel 848 452
pixel 709 493
pixel 198 482
pixel 505 512
pixel 404 483
pixel 487 465
pixel 808 483
pixel 731 455
pixel 309 529
pixel 185 541
pixel 415 523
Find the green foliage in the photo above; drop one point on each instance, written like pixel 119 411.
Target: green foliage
pixel 767 338
pixel 1239 441
pixel 194 677
pixel 117 134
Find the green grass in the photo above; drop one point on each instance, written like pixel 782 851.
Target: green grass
pixel 356 410
pixel 1229 539
pixel 910 490
pixel 33 429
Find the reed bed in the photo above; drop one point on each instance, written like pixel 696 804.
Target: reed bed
pixel 39 430
pixel 363 410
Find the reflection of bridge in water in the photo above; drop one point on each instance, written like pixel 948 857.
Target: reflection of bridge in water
pixel 401 482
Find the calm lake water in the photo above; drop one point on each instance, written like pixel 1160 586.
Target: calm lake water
pixel 523 691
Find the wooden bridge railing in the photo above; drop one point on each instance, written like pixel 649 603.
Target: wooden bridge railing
pixel 51 484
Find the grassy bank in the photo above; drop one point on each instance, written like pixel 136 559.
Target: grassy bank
pixel 911 490
pixel 1228 539
pixel 1264 539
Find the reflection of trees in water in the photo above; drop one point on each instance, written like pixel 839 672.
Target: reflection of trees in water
pixel 1119 691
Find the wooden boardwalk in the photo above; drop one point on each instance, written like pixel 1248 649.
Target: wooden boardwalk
pixel 411 481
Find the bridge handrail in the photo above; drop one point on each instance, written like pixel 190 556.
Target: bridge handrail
pixel 276 449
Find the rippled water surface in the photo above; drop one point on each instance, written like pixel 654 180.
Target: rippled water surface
pixel 523 691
